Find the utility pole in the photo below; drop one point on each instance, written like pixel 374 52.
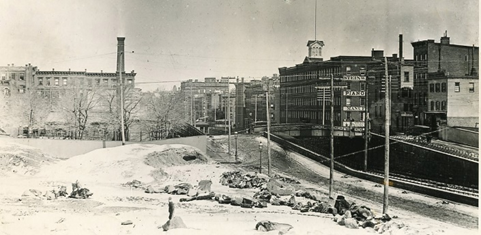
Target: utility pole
pixel 191 106
pixel 287 100
pixel 386 138
pixel 228 115
pixel 324 105
pixel 268 131
pixel 122 127
pixel 366 124
pixel 255 111
pixel 331 172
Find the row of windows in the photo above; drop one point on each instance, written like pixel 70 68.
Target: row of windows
pixel 438 105
pixel 437 87
pixel 457 87
pixel 312 88
pixel 310 115
pixel 421 57
pixel 56 81
pixel 420 98
pixel 13 76
pixel 322 73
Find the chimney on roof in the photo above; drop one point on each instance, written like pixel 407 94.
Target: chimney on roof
pixel 85 70
pixel 377 54
pixel 401 48
pixel 69 70
pixel 445 38
pixel 53 69
pixel 13 65
pixel 120 55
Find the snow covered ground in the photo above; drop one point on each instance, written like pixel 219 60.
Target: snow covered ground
pixel 104 171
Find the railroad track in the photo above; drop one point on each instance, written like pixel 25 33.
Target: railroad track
pixel 430 183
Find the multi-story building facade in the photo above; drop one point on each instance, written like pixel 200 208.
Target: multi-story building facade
pixel 208 98
pixel 57 87
pixel 358 88
pixel 453 100
pixel 16 79
pixel 454 61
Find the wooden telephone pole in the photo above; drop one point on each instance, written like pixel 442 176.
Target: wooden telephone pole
pixel 386 138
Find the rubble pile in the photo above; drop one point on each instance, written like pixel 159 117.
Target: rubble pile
pixel 235 179
pixel 286 179
pixel 78 192
pixel 355 216
pixel 133 184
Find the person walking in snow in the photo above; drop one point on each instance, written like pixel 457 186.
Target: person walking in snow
pixel 171 208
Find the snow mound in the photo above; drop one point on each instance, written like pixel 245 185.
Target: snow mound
pixel 118 165
pixel 18 159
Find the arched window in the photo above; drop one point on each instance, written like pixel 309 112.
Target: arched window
pixel 432 105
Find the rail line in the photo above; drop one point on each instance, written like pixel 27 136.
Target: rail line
pixel 441 190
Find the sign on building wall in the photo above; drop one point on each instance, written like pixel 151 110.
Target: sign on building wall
pixel 353 78
pixel 353 108
pixel 354 93
pixel 353 124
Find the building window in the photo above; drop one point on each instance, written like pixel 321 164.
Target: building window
pixel 97 81
pixel 89 82
pixel 56 81
pixel 432 105
pixel 13 76
pixel 457 87
pixel 363 86
pixel 47 81
pixel 437 105
pixel 406 76
pixel 348 101
pixel 22 76
pixel 363 101
pixel 106 81
pixel 443 105
pixel 438 87
pixel 443 87
pixel 471 87
pixel 348 70
pixel 64 81
pixel 431 87
pixel 129 81
pixel 40 81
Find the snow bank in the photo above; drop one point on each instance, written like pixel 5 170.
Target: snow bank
pixel 121 164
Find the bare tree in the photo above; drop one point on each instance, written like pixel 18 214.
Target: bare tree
pixel 111 104
pixel 77 104
pixel 26 108
pixel 165 111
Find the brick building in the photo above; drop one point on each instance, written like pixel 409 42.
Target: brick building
pixel 436 65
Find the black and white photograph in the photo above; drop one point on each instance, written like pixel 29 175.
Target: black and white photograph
pixel 292 117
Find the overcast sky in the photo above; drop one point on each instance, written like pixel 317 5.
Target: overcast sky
pixel 181 39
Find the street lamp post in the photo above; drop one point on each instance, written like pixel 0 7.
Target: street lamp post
pixel 235 146
pixel 260 157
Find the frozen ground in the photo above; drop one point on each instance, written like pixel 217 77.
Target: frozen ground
pixel 104 171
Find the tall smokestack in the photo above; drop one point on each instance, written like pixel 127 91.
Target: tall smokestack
pixel 401 48
pixel 120 55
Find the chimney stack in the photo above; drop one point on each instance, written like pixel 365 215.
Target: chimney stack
pixel 120 55
pixel 445 38
pixel 401 48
